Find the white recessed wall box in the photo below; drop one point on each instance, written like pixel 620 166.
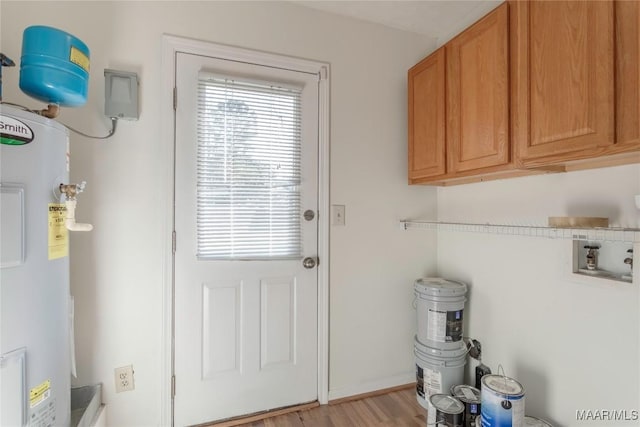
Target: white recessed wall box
pixel 121 94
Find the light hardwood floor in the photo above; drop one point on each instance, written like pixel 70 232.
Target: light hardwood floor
pixel 396 408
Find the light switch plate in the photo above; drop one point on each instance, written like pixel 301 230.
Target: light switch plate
pixel 337 215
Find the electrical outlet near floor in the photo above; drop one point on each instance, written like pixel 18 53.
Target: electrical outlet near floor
pixel 124 378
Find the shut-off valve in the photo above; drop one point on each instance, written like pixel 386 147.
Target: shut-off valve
pixel 70 191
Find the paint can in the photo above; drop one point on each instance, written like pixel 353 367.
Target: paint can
pixel 530 421
pixel 502 401
pixel 437 370
pixel 440 307
pixel 444 411
pixel 470 397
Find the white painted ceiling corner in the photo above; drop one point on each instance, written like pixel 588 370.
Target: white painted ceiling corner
pixel 440 19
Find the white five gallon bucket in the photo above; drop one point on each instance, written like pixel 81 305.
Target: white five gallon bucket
pixel 437 370
pixel 502 402
pixel 440 305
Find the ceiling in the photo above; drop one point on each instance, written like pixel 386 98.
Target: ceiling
pixel 441 19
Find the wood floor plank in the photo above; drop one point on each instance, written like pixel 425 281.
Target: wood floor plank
pixel 288 420
pixel 396 408
pixel 255 420
pixel 408 406
pixel 378 410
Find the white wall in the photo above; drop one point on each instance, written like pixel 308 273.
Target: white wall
pixel 116 273
pixel 573 344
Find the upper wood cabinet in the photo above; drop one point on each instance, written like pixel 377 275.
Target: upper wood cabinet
pixel 533 87
pixel 563 92
pixel 627 73
pixel 459 105
pixel 426 117
pixel 478 95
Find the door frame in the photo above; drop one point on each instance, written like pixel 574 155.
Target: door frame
pixel 171 45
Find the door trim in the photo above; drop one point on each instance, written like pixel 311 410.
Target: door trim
pixel 171 45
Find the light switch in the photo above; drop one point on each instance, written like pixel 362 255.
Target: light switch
pixel 337 215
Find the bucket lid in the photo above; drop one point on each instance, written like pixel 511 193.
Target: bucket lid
pixel 503 385
pixel 437 286
pixel 446 404
pixel 438 352
pixel 466 393
pixel 535 422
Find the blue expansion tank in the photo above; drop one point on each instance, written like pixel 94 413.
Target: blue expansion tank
pixel 54 66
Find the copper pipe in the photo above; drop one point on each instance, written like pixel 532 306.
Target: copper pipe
pixel 50 112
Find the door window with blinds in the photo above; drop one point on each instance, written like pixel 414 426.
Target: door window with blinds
pixel 248 169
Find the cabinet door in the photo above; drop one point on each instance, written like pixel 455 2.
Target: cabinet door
pixel 563 66
pixel 478 95
pixel 426 117
pixel 627 72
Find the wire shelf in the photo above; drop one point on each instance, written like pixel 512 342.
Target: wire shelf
pixel 625 235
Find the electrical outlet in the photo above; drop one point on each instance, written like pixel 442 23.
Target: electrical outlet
pixel 124 378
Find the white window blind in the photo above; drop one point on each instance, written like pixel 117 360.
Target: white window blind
pixel 248 170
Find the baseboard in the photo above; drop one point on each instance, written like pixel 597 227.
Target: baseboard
pixel 372 386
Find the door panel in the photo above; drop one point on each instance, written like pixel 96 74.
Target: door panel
pixel 245 329
pixel 221 328
pixel 278 321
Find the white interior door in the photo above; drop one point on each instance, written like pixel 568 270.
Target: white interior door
pixel 246 171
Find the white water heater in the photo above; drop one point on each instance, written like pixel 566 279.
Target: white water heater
pixel 34 272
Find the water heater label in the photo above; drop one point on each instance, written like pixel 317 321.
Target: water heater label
pixel 39 393
pixel 44 415
pixel 14 132
pixel 58 234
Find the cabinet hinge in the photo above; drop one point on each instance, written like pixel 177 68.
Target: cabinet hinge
pixel 173 241
pixel 173 386
pixel 175 98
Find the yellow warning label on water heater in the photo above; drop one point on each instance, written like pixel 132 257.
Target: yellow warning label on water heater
pixel 39 393
pixel 58 234
pixel 79 58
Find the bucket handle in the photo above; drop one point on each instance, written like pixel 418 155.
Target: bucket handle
pixel 500 368
pixel 506 404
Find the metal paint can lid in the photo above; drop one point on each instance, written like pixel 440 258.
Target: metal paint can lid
pixel 503 385
pixel 466 393
pixel 446 404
